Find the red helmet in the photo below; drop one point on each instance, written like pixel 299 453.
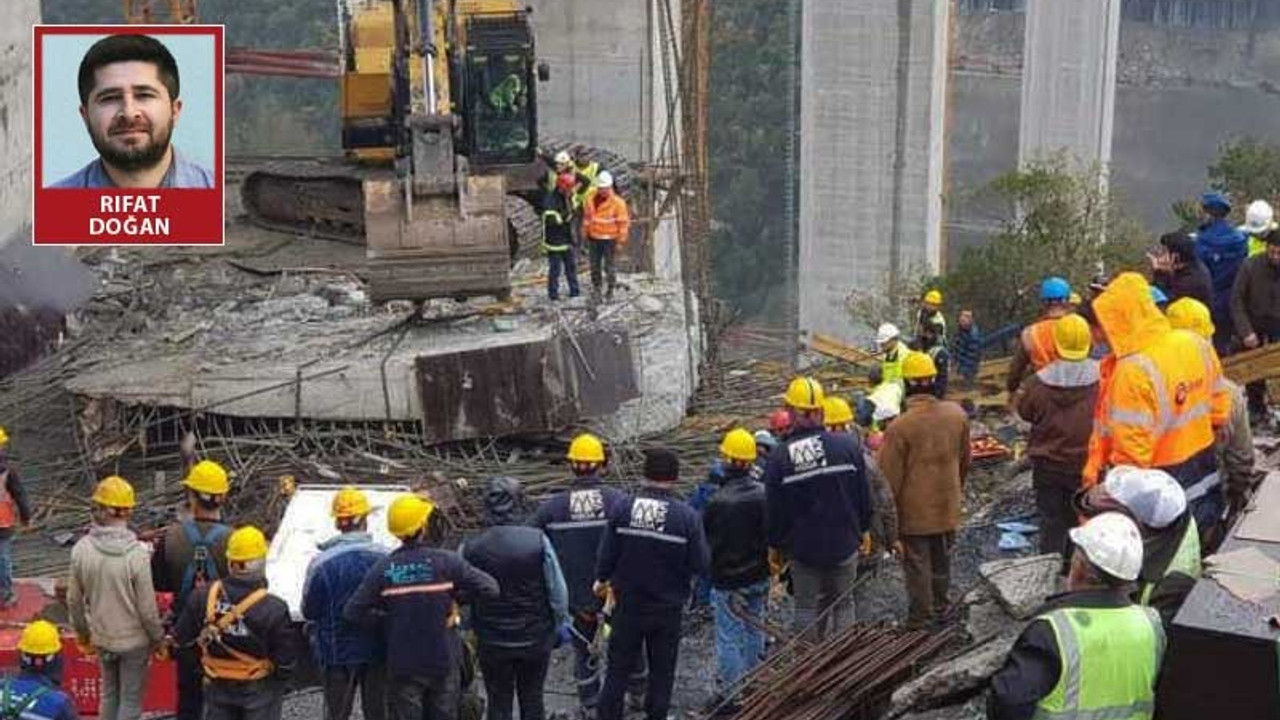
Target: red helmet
pixel 565 182
pixel 780 421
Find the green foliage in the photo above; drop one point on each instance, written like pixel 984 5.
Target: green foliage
pixel 1247 170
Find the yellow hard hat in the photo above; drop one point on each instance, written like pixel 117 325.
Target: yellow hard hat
pixel 350 503
pixel 4 437
pixel 805 393
pixel 918 366
pixel 1071 337
pixel 114 492
pixel 1074 298
pixel 586 448
pixel 836 411
pixel 739 444
pixel 208 477
pixel 40 638
pixel 246 544
pixel 933 297
pixel 1190 314
pixel 408 514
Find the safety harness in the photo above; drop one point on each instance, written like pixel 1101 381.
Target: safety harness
pixel 202 569
pixel 16 705
pixel 239 665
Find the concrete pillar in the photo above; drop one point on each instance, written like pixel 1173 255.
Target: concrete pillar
pixel 16 19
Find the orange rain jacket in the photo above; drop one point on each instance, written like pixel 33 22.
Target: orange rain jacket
pixel 606 218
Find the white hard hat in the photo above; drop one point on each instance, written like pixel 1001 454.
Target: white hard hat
pixel 887 332
pixel 1152 496
pixel 562 158
pixel 1259 217
pixel 884 412
pixel 1112 542
pixel 604 180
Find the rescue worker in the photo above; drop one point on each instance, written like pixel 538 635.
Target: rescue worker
pixel 349 658
pixel 575 521
pixel 1259 225
pixel 894 350
pixel 931 314
pixel 765 443
pixel 1034 348
pixel 1235 443
pixel 585 172
pixel 736 529
pixel 189 554
pixel 885 399
pixel 14 509
pixel 651 551
pixel 247 642
pixel 966 349
pixel 819 513
pixel 518 630
pixel 1178 272
pixel 1165 397
pixel 1170 541
pixel 1222 248
pixel 606 223
pixel 1058 401
pixel 1092 653
pixel 111 603
pixel 557 237
pixel 838 418
pixel 933 344
pixel 410 598
pixel 926 457
pixel 36 693
pixel 1255 308
pixel 781 422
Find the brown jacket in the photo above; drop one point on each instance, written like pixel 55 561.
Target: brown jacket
pixel 926 456
pixel 1058 401
pixel 1255 299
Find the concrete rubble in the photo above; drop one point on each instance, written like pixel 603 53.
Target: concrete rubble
pixel 1022 584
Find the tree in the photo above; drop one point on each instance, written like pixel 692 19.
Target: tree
pixel 1247 169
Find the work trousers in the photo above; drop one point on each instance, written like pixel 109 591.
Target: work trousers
pixel 6 566
pixel 511 674
pixel 739 643
pixel 926 563
pixel 1054 491
pixel 562 262
pixel 656 634
pixel 247 700
pixel 190 684
pixel 824 601
pixel 124 680
pixel 601 257
pixel 1257 391
pixel 588 668
pixel 341 682
pixel 1209 510
pixel 426 697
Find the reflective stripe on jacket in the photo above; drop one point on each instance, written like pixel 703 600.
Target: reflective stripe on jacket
pixel 1186 560
pixel 1110 659
pixel 553 218
pixel 606 218
pixel 891 366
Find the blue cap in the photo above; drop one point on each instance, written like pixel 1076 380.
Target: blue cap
pixel 1211 200
pixel 1158 296
pixel 1055 289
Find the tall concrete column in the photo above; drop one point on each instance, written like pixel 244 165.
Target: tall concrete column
pixel 16 19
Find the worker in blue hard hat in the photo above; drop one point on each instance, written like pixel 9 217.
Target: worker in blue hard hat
pixel 1035 348
pixel 1222 248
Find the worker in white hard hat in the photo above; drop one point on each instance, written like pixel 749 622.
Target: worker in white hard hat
pixel 1259 224
pixel 606 223
pixel 1091 653
pixel 894 351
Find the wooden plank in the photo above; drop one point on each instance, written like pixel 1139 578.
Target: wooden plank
pixel 1252 365
pixel 831 347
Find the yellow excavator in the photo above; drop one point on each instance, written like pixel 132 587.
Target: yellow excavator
pixel 439 124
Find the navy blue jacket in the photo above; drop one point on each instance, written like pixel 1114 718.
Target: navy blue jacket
pixel 1222 248
pixel 409 595
pixel 818 497
pixel 966 351
pixel 575 521
pixel 53 704
pixel 332 579
pixel 652 550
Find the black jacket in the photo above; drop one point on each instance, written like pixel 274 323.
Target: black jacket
pixel 1191 280
pixel 818 496
pixel 576 521
pixel 557 220
pixel 736 529
pixel 409 596
pixel 520 618
pixel 651 551
pixel 267 632
pixel 1255 299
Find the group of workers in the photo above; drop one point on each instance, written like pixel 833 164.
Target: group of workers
pixel 580 204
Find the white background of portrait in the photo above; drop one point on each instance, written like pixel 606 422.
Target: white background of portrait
pixel 67 146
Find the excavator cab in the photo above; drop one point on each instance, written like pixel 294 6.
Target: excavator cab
pixel 499 91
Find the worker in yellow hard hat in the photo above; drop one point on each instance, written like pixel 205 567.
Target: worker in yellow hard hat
pixel 925 456
pixel 931 315
pixel 37 688
pixel 15 508
pixel 838 416
pixel 574 520
pixel 110 600
pixel 244 633
pixel 408 600
pixel 349 657
pixel 819 509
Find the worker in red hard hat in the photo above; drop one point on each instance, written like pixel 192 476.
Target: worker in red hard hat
pixel 781 423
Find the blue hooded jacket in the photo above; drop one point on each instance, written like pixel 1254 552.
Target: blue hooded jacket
pixel 332 579
pixel 1221 247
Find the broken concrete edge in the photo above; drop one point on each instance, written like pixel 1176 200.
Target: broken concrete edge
pixel 953 681
pixel 1023 584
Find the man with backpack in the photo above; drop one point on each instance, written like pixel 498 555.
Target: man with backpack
pixel 189 555
pixel 35 693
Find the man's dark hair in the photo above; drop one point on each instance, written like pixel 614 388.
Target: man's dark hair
pixel 127 48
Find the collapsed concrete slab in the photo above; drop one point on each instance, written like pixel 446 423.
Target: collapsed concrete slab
pixel 956 678
pixel 1022 584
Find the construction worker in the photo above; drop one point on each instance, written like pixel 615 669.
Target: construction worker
pixel 1259 225
pixel 698 499
pixel 1255 309
pixel 736 529
pixel 930 313
pixel 585 172
pixel 410 598
pixel 933 343
pixel 36 693
pixel 837 416
pixel 1164 399
pixel 966 349
pixel 575 520
pixel 781 422
pixel 188 555
pixel 894 350
pixel 1092 653
pixel 1222 248
pixel 111 603
pixel 765 443
pixel 1178 272
pixel 819 513
pixel 1058 401
pixel 350 659
pixel 653 548
pixel 1034 348
pixel 518 630
pixel 14 509
pixel 885 399
pixel 926 457
pixel 557 237
pixel 560 164
pixel 1170 541
pixel 606 223
pixel 247 642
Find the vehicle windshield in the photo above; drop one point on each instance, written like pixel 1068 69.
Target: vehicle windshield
pixel 502 104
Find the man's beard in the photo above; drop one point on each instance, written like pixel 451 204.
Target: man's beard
pixel 140 157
